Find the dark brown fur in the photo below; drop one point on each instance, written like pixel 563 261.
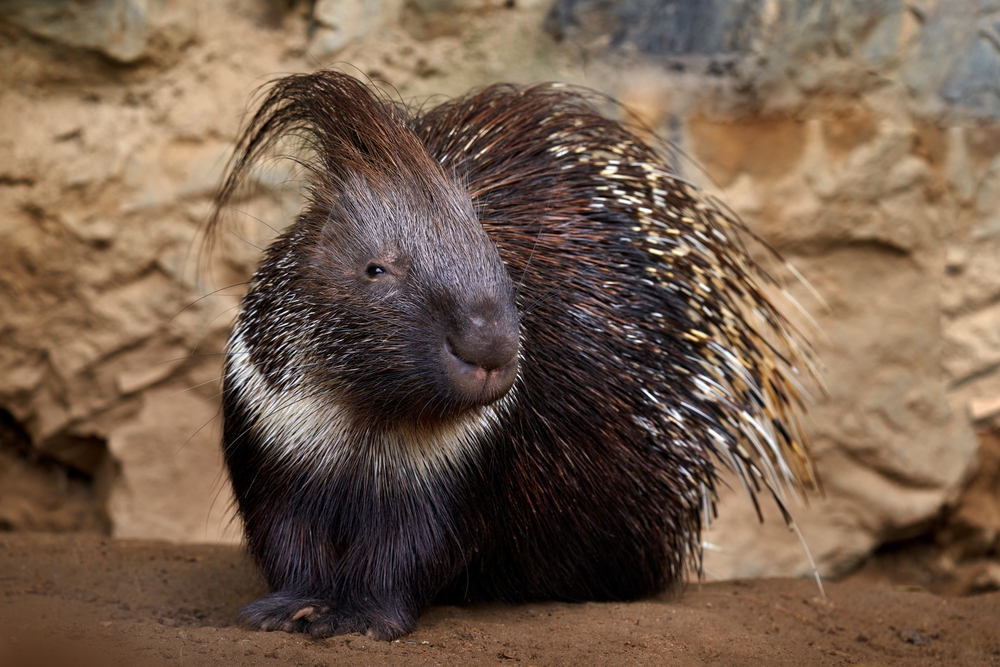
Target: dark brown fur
pixel 643 346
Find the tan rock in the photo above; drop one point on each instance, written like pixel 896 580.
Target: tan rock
pixel 344 21
pixel 972 343
pixel 861 509
pixel 767 148
pixel 145 367
pixel 906 174
pixel 120 29
pixel 171 484
pixel 987 202
pixel 981 409
pixel 972 280
pixel 958 167
pixel 889 450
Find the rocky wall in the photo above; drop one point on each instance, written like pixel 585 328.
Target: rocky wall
pixel 861 140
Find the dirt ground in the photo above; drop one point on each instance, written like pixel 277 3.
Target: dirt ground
pixel 88 600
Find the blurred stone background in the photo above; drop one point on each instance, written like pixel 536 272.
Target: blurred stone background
pixel 861 139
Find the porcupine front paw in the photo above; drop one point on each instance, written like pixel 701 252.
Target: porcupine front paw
pixel 324 618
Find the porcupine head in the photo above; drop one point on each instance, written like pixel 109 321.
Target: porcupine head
pixel 397 431
pixel 374 335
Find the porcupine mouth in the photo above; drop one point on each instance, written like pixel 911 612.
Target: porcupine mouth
pixel 478 384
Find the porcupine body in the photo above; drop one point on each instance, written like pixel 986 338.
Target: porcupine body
pixel 499 355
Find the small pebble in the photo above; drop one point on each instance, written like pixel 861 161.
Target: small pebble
pixel 914 637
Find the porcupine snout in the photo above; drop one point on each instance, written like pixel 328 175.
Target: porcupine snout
pixel 481 352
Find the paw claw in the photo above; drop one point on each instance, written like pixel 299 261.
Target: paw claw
pixel 319 619
pixel 308 613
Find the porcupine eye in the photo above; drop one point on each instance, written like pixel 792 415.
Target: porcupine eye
pixel 374 271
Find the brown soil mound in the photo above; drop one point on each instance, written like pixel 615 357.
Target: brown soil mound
pixel 87 600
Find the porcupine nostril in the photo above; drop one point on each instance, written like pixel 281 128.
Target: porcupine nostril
pixel 481 358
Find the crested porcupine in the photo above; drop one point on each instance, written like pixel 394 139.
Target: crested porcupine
pixel 499 355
